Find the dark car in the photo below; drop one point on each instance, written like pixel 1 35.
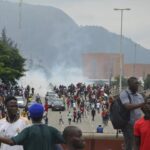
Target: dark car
pixel 58 105
pixel 50 102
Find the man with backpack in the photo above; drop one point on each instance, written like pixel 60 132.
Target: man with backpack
pixel 132 101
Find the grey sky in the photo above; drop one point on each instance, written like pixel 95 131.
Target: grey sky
pixel 136 23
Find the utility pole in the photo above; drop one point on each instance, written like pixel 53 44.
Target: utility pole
pixel 121 54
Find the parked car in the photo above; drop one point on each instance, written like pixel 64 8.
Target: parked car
pixel 58 105
pixel 21 101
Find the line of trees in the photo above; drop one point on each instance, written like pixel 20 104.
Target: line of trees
pixel 12 64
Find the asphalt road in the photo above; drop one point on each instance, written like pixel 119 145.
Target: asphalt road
pixel 86 125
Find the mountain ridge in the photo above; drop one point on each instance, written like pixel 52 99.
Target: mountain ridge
pixel 51 37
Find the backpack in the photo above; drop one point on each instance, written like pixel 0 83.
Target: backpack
pixel 119 115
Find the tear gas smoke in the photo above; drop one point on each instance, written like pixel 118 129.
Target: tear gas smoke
pixel 59 76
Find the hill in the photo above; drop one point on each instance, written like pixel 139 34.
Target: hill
pixel 49 37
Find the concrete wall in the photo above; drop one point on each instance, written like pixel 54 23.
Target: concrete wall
pixel 103 142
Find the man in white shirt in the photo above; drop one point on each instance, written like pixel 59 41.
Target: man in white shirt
pixel 12 124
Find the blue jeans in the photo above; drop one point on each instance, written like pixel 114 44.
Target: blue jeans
pixel 128 136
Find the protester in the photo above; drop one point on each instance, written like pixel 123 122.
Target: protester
pixel 74 115
pixel 69 115
pixel 105 116
pixel 78 116
pixel 73 138
pixel 46 106
pixel 12 124
pixel 142 131
pixel 93 112
pixel 38 136
pixel 99 129
pixel 45 117
pixel 137 101
pixel 61 121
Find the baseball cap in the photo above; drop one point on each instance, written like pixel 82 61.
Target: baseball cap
pixel 36 110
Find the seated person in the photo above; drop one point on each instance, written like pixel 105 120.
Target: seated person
pixel 99 129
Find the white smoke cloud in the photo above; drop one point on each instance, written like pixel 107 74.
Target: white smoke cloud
pixel 36 79
pixel 59 75
pixel 66 76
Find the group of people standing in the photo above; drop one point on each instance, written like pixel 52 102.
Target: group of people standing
pixel 82 100
pixel 16 133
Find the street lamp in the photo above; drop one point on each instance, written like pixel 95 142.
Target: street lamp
pixel 134 65
pixel 121 61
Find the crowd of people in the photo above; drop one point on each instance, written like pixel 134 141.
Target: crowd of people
pixel 9 90
pixel 81 100
pixel 18 133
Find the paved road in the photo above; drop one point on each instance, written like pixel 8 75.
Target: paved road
pixel 87 125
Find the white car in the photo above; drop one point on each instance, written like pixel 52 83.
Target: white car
pixel 21 101
pixel 50 96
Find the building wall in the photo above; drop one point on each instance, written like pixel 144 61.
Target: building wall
pixel 138 70
pixel 101 65
pixel 104 65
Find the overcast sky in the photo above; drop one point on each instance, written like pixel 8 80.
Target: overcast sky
pixel 136 22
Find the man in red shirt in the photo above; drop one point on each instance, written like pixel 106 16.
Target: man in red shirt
pixel 142 129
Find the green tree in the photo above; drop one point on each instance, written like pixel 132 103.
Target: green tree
pixel 11 62
pixel 117 81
